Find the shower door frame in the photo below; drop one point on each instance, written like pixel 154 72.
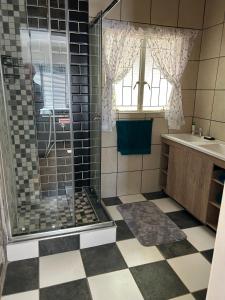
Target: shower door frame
pixel 97 116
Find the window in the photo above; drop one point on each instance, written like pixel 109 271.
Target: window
pixel 143 88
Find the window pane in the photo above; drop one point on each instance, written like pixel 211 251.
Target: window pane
pixel 119 93
pixel 127 81
pixel 163 92
pixel 148 67
pixel 169 91
pixel 155 97
pixel 156 78
pixel 146 96
pixel 136 70
pixel 135 97
pixel 126 95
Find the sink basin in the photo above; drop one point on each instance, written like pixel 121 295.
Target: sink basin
pixel 218 148
pixel 188 137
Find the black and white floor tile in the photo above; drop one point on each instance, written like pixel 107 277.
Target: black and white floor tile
pixel 122 270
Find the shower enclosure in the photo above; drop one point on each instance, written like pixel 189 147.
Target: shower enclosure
pixel 51 78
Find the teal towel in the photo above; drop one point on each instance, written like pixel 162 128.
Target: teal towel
pixel 134 137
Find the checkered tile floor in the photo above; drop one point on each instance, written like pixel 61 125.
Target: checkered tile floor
pixel 53 213
pixel 124 270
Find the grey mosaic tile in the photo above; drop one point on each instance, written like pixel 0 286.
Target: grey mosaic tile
pixel 53 213
pixel 18 92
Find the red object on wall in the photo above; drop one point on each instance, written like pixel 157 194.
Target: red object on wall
pixel 64 121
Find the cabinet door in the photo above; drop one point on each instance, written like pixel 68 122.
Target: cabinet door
pixel 198 177
pixel 176 179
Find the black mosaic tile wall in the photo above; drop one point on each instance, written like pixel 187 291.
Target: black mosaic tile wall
pixel 78 32
pixel 18 87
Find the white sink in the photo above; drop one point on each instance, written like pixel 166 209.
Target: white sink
pixel 188 137
pixel 217 148
pixel 214 148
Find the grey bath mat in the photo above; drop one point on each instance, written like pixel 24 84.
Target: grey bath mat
pixel 149 224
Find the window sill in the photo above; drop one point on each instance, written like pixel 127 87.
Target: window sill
pixel 141 112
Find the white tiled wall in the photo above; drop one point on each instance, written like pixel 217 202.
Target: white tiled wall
pixel 214 13
pixel 218 112
pixel 131 174
pixel 136 11
pixel 207 74
pixel 203 104
pixel 109 185
pixel 191 13
pixel 128 163
pixel 210 97
pixel 129 183
pixel 150 181
pixel 182 13
pixel 123 175
pixel 211 41
pixel 166 16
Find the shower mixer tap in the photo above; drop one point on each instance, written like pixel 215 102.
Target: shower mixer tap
pixel 97 117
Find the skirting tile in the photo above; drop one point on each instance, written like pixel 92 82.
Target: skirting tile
pixel 51 246
pixel 24 250
pixel 97 237
pixel 59 245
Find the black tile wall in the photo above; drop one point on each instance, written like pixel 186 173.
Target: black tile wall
pixel 37 12
pixel 56 167
pixel 78 33
pixel 56 172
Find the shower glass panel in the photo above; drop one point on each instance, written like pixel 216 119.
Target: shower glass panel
pixel 52 101
pixel 49 203
pixel 95 70
pixel 53 126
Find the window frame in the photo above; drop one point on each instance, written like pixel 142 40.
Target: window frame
pixel 141 84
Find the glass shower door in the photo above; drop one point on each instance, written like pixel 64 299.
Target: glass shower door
pixel 95 73
pixel 45 55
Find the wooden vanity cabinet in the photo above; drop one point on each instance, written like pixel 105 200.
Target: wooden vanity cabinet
pixel 188 178
pixel 176 174
pixel 198 178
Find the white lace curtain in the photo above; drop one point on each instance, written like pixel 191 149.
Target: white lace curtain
pixel 170 48
pixel 121 45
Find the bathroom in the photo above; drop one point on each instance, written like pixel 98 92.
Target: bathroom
pixel 106 178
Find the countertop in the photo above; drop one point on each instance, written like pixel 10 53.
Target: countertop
pixel 197 143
